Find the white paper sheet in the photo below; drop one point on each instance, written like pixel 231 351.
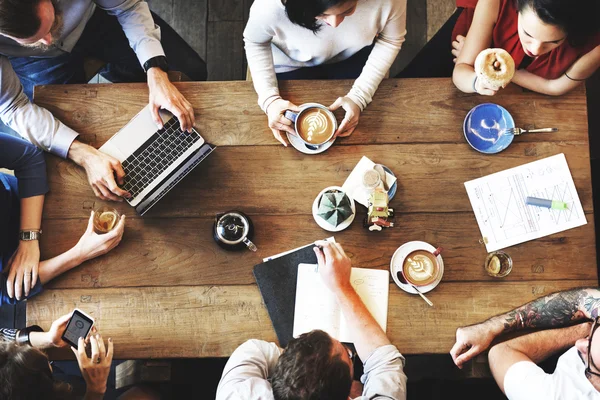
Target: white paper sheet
pixel 353 184
pixel 498 201
pixel 316 307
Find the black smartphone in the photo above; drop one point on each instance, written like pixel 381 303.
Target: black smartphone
pixel 78 326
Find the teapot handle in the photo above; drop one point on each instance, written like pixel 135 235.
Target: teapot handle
pixel 249 244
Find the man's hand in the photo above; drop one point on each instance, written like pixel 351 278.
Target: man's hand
pixel 23 269
pixel 278 122
pixel 94 370
pixel 334 265
pixel 92 245
pixel 163 94
pixel 101 170
pixel 471 341
pixel 350 121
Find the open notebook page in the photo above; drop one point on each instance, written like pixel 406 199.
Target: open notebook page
pixel 317 308
pixel 372 285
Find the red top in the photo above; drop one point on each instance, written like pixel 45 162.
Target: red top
pixel 505 35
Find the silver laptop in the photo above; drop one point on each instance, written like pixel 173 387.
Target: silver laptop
pixel 155 160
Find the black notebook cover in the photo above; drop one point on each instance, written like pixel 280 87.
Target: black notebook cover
pixel 276 280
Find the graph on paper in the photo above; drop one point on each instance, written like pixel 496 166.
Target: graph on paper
pixel 498 201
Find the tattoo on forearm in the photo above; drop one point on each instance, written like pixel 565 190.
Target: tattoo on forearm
pixel 553 311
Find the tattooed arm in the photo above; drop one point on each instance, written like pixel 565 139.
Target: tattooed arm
pixel 552 311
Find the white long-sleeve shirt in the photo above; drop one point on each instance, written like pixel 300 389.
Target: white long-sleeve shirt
pixel 274 45
pixel 37 124
pixel 248 369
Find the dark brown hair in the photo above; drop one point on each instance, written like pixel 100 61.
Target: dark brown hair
pixel 19 18
pixel 578 18
pixel 305 12
pixel 307 370
pixel 26 375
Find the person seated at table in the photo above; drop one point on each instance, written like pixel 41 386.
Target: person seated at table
pixel 315 365
pixel 321 39
pixel 21 204
pixel 513 362
pixel 46 41
pixel 26 373
pixel 555 44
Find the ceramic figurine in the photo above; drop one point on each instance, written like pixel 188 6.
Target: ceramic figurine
pixel 378 213
pixel 334 207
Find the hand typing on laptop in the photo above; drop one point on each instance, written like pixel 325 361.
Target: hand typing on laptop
pixel 101 170
pixel 163 94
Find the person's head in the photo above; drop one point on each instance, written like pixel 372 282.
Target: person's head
pixel 25 374
pixel 546 24
pixel 589 348
pixel 31 23
pixel 314 366
pixel 312 14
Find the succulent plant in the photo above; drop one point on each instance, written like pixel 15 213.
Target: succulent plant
pixel 334 207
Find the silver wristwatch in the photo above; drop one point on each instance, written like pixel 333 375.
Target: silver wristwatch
pixel 30 235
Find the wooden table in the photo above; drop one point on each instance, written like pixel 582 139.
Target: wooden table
pixel 169 291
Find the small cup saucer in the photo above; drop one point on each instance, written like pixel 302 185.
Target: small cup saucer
pixel 398 260
pixel 299 145
pixel 326 225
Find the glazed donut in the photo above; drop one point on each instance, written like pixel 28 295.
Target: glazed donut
pixel 495 66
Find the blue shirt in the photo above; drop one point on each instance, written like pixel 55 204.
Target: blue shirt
pixel 29 167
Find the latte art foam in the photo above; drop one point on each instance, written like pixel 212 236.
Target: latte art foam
pixel 419 268
pixel 315 126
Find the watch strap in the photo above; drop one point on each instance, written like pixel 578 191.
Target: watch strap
pixel 158 61
pixel 23 334
pixel 27 235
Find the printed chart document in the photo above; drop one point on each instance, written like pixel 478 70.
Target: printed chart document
pixel 317 308
pixel 504 219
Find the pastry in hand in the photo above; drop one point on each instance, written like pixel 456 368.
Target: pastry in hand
pixel 495 67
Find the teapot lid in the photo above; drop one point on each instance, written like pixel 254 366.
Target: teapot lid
pixel 232 228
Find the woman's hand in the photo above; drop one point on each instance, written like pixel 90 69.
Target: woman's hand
pixel 23 269
pixel 350 121
pixel 94 370
pixel 278 122
pixel 93 245
pixel 457 46
pixel 52 338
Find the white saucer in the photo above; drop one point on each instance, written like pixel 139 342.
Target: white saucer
pixel 326 225
pixel 398 261
pixel 299 145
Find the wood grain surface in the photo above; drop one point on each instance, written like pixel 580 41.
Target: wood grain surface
pixel 211 321
pixel 169 291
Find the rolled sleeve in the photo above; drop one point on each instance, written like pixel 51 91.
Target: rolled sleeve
pixel 384 374
pixel 139 27
pixel 32 122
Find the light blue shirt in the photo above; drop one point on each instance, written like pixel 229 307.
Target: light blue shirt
pixel 37 124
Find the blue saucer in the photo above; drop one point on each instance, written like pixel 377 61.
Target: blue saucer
pixel 392 191
pixel 485 126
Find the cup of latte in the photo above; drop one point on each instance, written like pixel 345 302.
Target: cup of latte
pixel 314 124
pixel 421 267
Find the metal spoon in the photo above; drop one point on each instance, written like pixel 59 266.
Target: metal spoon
pixel 402 278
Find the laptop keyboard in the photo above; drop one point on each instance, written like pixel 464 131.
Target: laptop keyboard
pixel 156 155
